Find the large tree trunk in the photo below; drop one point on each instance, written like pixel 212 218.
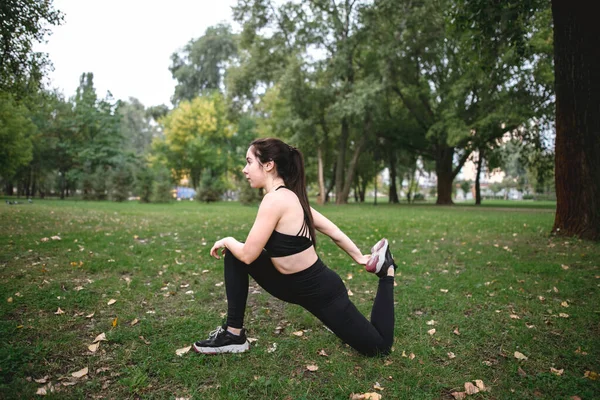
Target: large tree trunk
pixel 393 189
pixel 343 198
pixel 478 178
pixel 341 161
pixel 577 83
pixel 322 194
pixel 443 170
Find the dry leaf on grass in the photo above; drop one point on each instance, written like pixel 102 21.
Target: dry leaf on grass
pixel 520 356
pixel 470 388
pixel 563 315
pixel 459 395
pixel 114 322
pixel 480 385
pixel 312 368
pixel 134 322
pixel 432 322
pixel 90 315
pixel 557 372
pixel 322 353
pixel 81 373
pixel 515 316
pixel 564 304
pixel 182 351
pixel 431 331
pixel 377 386
pixel 591 375
pixel 100 337
pixel 456 332
pixel 111 302
pixel 298 333
pixel 444 290
pixel 42 380
pixel 59 311
pixel 94 347
pixel 365 396
pixel 451 355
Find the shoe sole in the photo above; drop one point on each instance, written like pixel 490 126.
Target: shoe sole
pixel 232 348
pixel 377 259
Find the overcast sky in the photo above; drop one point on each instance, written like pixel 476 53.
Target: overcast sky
pixel 127 44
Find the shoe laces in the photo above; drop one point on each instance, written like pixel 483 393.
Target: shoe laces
pixel 215 333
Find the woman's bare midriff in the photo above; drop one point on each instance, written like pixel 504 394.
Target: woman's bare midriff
pixel 296 262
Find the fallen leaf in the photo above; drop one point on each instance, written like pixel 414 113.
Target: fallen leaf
pixel 565 267
pixel 349 276
pixel 298 333
pixel 93 347
pixel 365 396
pixel 114 322
pixel 134 322
pixel 563 315
pixel 521 372
pixel 431 331
pixel 557 372
pixel 59 311
pixel 377 386
pixel 542 298
pixel 432 322
pixel 520 356
pixel 90 315
pixel 591 375
pixel 515 316
pixel 579 351
pixel 219 284
pixel 41 392
pixel 564 304
pixel 323 353
pixel 55 238
pixel 459 395
pixel 480 385
pixel 470 388
pixel 252 340
pixel 411 356
pixel 81 373
pixel 350 293
pixel 444 290
pixel 312 368
pixel 456 332
pixel 69 383
pixel 182 351
pixel 100 337
pixel 143 339
pixel 42 380
pixel 451 355
pixel 111 302
pixel 272 348
pixel 575 398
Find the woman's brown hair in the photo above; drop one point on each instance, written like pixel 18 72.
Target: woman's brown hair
pixel 290 167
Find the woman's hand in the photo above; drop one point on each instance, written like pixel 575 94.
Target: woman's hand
pixel 219 244
pixel 362 259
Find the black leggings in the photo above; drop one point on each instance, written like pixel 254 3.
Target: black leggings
pixel 322 292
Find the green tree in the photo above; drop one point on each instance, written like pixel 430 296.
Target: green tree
pixel 24 22
pixel 202 63
pixel 16 129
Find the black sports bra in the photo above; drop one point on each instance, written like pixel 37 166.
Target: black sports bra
pixel 281 244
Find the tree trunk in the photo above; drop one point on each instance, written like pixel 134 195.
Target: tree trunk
pixel 343 198
pixel 478 178
pixel 62 185
pixel 445 176
pixel 577 157
pixel 322 194
pixel 375 200
pixel 393 174
pixel 331 184
pixel 341 161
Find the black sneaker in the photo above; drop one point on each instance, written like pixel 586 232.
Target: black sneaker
pixel 381 259
pixel 222 341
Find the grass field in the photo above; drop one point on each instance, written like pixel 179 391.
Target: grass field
pixel 491 281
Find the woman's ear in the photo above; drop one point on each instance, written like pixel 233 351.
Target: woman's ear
pixel 269 165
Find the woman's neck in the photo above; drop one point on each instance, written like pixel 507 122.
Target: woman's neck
pixel 273 185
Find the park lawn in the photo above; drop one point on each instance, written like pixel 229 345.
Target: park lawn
pixel 491 282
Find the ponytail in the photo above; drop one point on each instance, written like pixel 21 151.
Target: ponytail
pixel 290 167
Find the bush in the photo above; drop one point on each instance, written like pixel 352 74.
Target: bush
pixel 144 183
pixel 211 188
pixel 121 180
pixel 419 197
pixel 162 185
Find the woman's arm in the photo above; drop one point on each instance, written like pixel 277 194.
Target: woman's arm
pixel 269 213
pixel 325 226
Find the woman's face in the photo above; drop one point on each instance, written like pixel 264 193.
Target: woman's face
pixel 254 172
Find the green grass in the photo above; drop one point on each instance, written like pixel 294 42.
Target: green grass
pixel 494 262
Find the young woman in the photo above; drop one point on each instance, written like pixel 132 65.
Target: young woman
pixel 279 254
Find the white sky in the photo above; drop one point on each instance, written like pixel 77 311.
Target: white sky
pixel 127 44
